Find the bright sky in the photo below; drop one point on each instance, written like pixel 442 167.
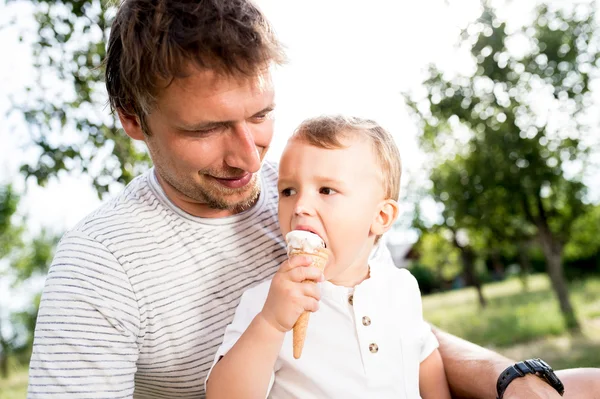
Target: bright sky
pixel 344 56
pixel 347 56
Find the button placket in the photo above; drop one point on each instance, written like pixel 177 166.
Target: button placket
pixel 368 336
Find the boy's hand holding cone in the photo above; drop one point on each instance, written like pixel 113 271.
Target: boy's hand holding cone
pixel 304 243
pixel 290 300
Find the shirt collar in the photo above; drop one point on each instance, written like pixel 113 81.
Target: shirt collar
pixel 377 277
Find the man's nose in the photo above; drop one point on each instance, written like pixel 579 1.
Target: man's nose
pixel 242 152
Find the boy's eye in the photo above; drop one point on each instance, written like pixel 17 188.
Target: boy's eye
pixel 327 191
pixel 286 192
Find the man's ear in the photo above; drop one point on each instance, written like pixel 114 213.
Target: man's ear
pixel 131 125
pixel 386 216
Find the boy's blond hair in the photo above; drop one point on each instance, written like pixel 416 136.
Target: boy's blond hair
pixel 327 132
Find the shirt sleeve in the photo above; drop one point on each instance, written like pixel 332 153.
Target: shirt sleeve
pixel 250 305
pixel 88 327
pixel 429 342
pixel 426 336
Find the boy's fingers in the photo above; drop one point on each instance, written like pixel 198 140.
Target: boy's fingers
pixel 299 274
pixel 295 261
pixel 311 304
pixel 311 291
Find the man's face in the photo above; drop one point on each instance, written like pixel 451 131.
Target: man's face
pixel 334 193
pixel 208 135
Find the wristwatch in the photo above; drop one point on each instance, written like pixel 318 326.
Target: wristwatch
pixel 531 366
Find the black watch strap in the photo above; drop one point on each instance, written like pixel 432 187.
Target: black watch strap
pixel 531 366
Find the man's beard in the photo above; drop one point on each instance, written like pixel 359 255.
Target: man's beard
pixel 213 200
pixel 213 194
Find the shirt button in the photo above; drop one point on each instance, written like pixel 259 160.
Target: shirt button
pixel 366 321
pixel 351 299
pixel 373 348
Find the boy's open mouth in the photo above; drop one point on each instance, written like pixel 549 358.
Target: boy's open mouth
pixel 310 230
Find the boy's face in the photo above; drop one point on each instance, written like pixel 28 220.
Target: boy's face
pixel 337 194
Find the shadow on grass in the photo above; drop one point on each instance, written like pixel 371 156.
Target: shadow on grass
pixel 512 316
pixel 562 352
pixel 505 321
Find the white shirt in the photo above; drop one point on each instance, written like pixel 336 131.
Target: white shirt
pixel 363 342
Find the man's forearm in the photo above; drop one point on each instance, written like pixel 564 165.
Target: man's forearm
pixel 471 370
pixel 245 371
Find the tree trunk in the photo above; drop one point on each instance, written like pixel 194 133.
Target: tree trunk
pixel 4 365
pixel 553 253
pixel 468 260
pixel 4 345
pixel 525 264
pixel 497 265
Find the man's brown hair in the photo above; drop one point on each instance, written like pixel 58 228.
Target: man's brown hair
pixel 153 42
pixel 328 131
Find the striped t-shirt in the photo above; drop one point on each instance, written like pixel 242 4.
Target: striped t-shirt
pixel 139 294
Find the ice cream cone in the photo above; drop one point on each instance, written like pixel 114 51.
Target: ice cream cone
pixel 319 259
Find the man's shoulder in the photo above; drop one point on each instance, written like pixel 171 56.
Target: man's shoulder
pixel 125 208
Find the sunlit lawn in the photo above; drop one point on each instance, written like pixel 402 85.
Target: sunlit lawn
pixel 518 324
pixel 523 324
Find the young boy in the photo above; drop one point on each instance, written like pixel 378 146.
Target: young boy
pixel 338 178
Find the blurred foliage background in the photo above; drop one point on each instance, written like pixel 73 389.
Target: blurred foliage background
pixel 513 260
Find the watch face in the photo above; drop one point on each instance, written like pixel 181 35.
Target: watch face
pixel 544 364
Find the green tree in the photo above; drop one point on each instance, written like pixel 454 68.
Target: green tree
pixel 10 239
pixel 450 244
pixel 66 106
pixel 584 241
pixel 511 127
pixel 439 255
pixel 25 258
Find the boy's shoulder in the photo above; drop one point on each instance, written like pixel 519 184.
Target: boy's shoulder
pixel 401 280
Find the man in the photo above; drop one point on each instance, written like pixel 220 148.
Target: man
pixel 140 291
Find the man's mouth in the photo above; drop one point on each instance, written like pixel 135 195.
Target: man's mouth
pixel 234 182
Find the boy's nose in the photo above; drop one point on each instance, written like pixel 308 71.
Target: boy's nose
pixel 303 206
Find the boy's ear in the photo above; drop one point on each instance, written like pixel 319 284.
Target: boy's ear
pixel 386 216
pixel 131 125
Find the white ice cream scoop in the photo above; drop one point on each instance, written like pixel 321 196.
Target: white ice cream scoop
pixel 304 241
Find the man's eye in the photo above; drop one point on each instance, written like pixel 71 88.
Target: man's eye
pixel 203 132
pixel 286 192
pixel 327 191
pixel 260 117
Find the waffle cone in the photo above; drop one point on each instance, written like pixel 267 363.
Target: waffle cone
pixel 319 260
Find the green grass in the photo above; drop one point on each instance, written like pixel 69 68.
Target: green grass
pixel 16 385
pixel 514 317
pixel 515 323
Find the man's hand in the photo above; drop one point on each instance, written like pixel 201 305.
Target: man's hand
pixel 530 387
pixel 288 297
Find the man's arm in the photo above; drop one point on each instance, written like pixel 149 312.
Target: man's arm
pixel 581 383
pixel 472 372
pixel 88 326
